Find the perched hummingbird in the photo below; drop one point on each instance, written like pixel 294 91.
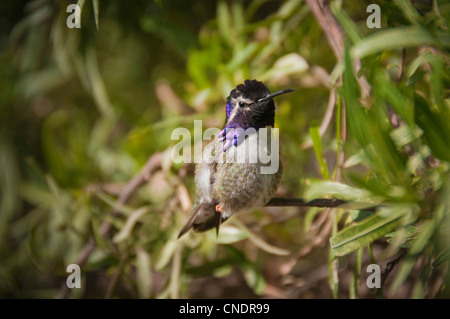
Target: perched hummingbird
pixel 225 188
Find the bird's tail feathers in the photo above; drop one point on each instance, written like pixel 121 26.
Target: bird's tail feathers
pixel 204 217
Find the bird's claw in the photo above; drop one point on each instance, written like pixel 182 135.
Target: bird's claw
pixel 219 208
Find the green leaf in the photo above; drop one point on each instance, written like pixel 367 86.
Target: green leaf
pixel 355 114
pixel 255 280
pixel 338 135
pixel 409 230
pixel 252 273
pixel 309 217
pixel 132 219
pixel 438 74
pixel 252 7
pixel 166 254
pixel 346 22
pixel 404 135
pixel 354 285
pixel 399 38
pixel 242 56
pixel 365 232
pixel 422 239
pixel 436 130
pixel 403 106
pixel 144 274
pixel 320 188
pixel 355 159
pixel 126 210
pixel 333 265
pixel 409 11
pixel 359 215
pixel 175 273
pixel 285 66
pixel 317 143
pixel 228 235
pixel 442 257
pixel 402 237
pixel 259 242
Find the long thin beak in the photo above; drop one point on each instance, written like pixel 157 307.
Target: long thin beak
pixel 272 95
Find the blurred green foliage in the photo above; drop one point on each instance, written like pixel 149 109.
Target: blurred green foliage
pixel 83 109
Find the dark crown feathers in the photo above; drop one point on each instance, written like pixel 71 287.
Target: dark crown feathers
pixel 252 90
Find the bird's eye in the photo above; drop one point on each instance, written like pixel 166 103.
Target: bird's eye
pixel 241 104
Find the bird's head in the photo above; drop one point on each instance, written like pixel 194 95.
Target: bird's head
pixel 251 105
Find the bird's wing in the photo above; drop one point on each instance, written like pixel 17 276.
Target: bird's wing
pixel 203 215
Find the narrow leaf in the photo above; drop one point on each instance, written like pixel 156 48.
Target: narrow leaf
pixel 409 11
pixel 317 143
pixel 422 239
pixel 333 265
pixel 95 9
pixel 126 230
pixel 399 38
pixel 319 189
pixel 144 275
pixel 442 257
pixel 259 242
pixel 365 232
pixel 354 285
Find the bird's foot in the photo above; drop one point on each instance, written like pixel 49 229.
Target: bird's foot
pixel 219 208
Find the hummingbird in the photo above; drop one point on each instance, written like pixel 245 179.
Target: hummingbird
pixel 225 188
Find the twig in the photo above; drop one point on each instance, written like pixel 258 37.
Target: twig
pixel 167 96
pixel 324 232
pixel 329 25
pixel 335 37
pixel 319 202
pixel 140 178
pixel 390 266
pixel 318 239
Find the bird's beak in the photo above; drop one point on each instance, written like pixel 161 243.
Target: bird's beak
pixel 272 95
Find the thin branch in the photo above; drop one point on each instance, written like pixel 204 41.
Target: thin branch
pixel 335 38
pixel 315 241
pixel 329 25
pixel 153 163
pixel 319 202
pixel 390 266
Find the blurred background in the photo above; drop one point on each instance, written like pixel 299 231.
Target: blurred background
pixel 86 177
